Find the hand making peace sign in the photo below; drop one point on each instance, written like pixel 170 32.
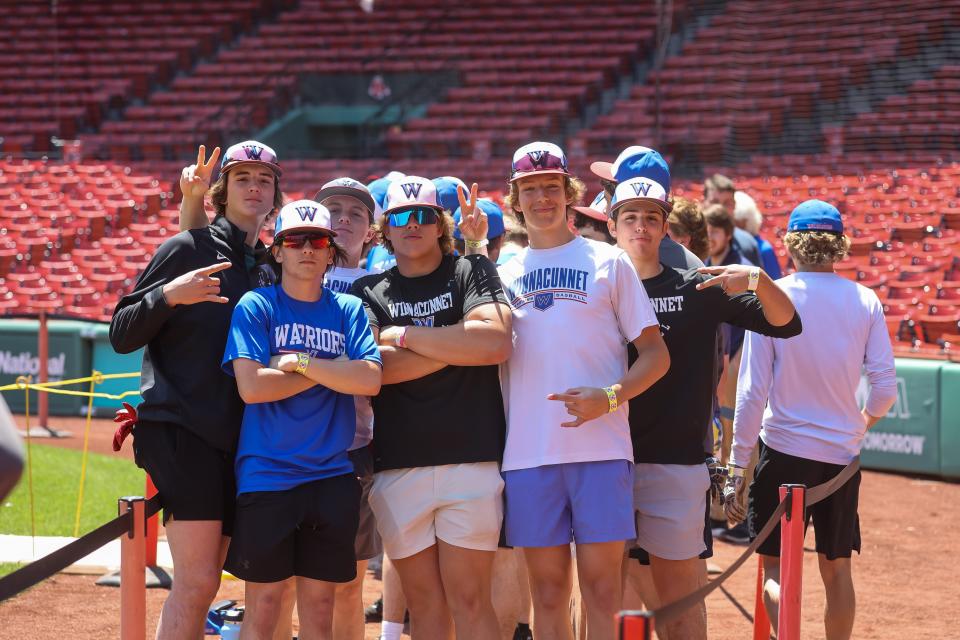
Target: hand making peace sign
pixel 195 179
pixel 473 221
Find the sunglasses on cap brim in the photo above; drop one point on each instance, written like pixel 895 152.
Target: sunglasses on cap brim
pixel 297 240
pixel 422 215
pixel 529 164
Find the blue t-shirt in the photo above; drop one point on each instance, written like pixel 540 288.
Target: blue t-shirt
pixel 305 437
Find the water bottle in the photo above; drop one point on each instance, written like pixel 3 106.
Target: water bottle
pixel 232 619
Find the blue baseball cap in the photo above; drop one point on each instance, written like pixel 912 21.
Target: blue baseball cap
pixel 635 162
pixel 815 215
pixel 447 191
pixel 495 226
pixel 378 189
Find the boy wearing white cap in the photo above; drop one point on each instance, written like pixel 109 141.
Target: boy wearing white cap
pixel 669 422
pixel 299 352
pixel 568 458
pixel 443 324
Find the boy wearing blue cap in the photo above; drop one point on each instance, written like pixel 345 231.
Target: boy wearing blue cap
pixel 799 396
pixel 299 352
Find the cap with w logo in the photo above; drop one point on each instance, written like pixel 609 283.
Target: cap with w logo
pixel 302 215
pixel 411 191
pixel 538 158
pixel 250 152
pixel 640 190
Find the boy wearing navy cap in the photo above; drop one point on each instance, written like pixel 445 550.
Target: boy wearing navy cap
pixel 799 396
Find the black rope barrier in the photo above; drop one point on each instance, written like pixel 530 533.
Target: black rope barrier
pixel 39 570
pixel 814 495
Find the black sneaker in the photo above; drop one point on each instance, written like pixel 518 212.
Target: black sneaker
pixel 738 535
pixel 522 632
pixel 374 613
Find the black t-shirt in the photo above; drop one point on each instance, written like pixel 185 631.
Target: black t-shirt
pixel 451 416
pixel 668 421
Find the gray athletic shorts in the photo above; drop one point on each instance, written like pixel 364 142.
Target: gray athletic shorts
pixel 368 544
pixel 669 501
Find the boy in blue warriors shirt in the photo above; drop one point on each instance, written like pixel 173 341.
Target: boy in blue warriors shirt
pixel 299 353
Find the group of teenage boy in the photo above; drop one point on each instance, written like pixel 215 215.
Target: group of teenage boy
pixel 302 413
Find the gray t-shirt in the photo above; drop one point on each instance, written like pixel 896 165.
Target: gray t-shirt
pixel 676 256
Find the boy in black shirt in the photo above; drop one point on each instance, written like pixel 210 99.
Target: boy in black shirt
pixel 443 324
pixel 189 419
pixel 669 422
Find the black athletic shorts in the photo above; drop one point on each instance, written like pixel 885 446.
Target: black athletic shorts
pixel 195 480
pixel 640 554
pixel 836 522
pixel 308 531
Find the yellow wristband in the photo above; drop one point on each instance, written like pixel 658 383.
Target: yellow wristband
pixel 611 399
pixel 303 361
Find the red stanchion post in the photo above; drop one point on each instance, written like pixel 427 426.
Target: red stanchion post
pixel 761 622
pixel 635 625
pixel 133 590
pixel 791 561
pixel 152 527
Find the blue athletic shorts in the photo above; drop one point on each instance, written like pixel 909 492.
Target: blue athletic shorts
pixel 579 502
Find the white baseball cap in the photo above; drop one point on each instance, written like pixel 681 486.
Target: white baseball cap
pixel 250 152
pixel 640 190
pixel 303 215
pixel 537 158
pixel 411 191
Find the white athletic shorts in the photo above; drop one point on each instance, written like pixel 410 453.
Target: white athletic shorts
pixel 670 500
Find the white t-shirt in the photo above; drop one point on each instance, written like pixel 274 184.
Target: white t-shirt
pixel 575 307
pixel 803 390
pixel 340 280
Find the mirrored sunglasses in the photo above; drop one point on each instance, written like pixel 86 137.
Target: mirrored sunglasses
pixel 423 215
pixel 297 240
pixel 539 161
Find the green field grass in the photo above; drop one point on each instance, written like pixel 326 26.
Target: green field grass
pixel 56 482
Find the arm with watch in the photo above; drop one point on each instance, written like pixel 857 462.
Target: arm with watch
pixel 735 279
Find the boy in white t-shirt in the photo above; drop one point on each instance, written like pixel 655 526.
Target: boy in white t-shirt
pixel 568 462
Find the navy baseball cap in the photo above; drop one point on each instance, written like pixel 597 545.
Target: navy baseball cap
pixel 635 162
pixel 495 226
pixel 815 215
pixel 447 191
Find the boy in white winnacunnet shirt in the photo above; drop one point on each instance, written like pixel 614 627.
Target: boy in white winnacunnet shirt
pixel 576 304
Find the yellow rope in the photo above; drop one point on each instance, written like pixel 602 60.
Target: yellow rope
pixel 95 378
pixel 33 521
pixel 21 381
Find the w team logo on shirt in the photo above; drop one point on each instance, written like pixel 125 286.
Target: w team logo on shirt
pixel 543 301
pixel 423 322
